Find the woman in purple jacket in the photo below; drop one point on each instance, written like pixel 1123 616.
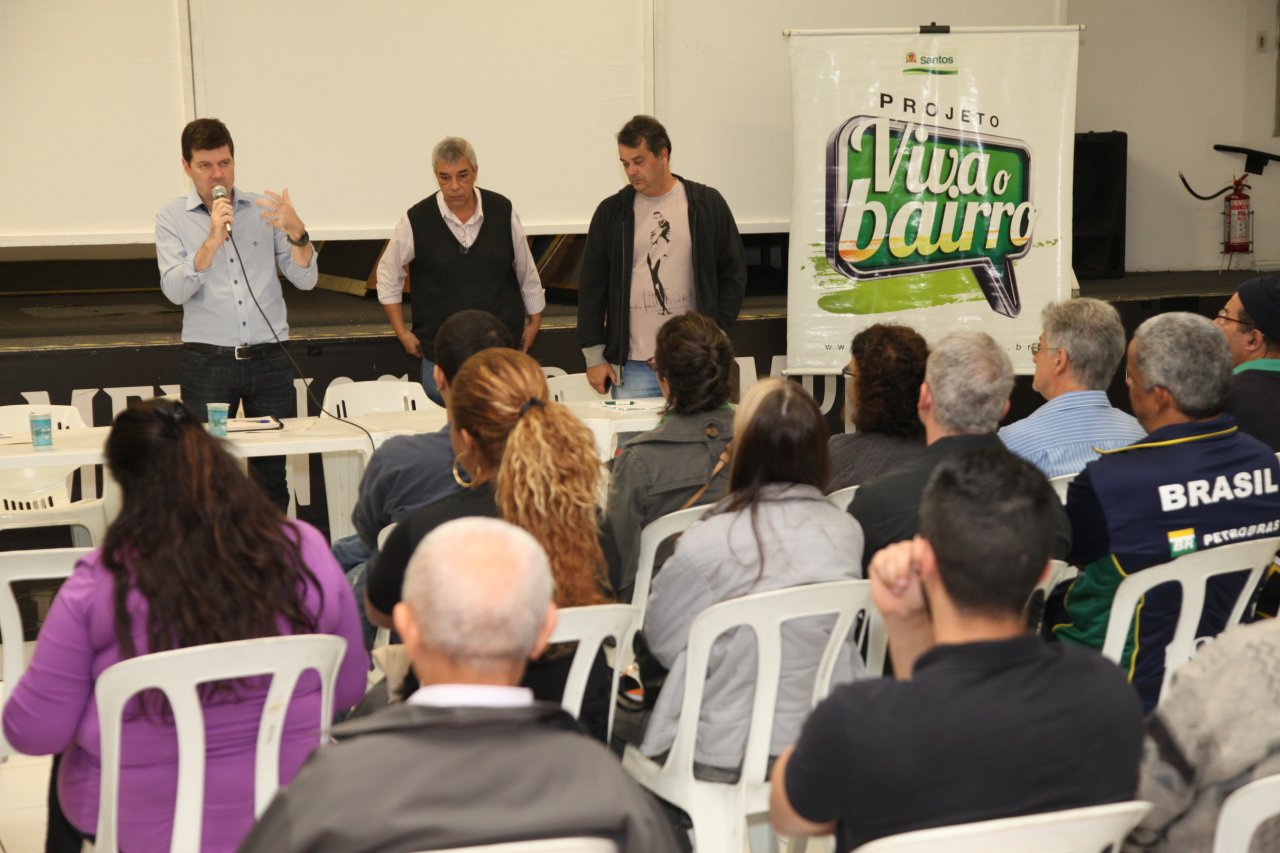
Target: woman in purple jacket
pixel 198 555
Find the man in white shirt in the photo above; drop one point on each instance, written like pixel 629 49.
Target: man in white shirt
pixel 456 263
pixel 470 758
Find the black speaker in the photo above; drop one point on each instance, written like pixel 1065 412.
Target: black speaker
pixel 1098 204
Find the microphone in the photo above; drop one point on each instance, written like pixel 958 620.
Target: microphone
pixel 220 191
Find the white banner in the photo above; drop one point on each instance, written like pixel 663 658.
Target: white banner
pixel 931 185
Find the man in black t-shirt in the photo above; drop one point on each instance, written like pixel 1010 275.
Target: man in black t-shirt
pixel 984 720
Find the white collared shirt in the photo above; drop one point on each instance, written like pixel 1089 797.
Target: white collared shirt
pixel 471 696
pixel 400 252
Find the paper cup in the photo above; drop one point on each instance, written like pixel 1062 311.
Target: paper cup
pixel 218 419
pixel 42 430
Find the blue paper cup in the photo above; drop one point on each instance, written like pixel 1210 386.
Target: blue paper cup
pixel 42 430
pixel 218 419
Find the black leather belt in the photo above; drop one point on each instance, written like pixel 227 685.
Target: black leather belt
pixel 238 353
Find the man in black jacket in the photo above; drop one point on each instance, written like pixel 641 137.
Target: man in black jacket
pixel 661 246
pixel 470 758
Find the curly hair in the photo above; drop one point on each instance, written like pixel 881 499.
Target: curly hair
pixel 545 458
pixel 204 545
pixel 891 361
pixel 695 356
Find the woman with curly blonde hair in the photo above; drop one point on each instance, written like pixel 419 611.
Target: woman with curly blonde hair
pixel 531 463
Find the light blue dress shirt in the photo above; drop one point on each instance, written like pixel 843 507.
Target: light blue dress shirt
pixel 1066 433
pixel 216 305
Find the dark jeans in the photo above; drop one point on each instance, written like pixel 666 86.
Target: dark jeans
pixel 265 385
pixel 60 835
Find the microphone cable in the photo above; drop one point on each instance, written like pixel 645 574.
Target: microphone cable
pixel 373 444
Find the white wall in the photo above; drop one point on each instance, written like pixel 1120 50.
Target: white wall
pixel 1179 76
pixel 90 94
pixel 343 99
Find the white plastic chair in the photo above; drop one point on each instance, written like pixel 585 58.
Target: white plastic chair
pixel 352 399
pixel 588 627
pixel 573 387
pixel 652 535
pixel 1245 810
pixel 1192 572
pixel 1060 484
pixel 747 374
pixel 542 845
pixel 179 674
pixel 720 810
pixel 1059 571
pixel 843 497
pixel 44 564
pixel 1084 830
pixel 41 497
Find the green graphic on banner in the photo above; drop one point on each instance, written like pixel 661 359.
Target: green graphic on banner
pixel 918 216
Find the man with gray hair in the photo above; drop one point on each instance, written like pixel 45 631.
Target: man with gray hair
pixel 1194 482
pixel 1075 360
pixel 456 263
pixel 470 758
pixel 965 393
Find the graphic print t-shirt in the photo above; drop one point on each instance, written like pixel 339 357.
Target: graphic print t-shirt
pixel 661 268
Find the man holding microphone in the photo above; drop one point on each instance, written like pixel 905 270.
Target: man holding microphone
pixel 218 261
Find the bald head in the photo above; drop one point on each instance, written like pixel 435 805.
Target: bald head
pixel 479 593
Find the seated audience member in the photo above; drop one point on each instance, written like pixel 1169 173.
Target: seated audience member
pixel 884 359
pixel 774 530
pixel 1194 482
pixel 1075 360
pixel 533 464
pixel 198 554
pixel 675 464
pixel 409 471
pixel 1251 322
pixel 984 720
pixel 964 395
pixel 470 758
pixel 1213 733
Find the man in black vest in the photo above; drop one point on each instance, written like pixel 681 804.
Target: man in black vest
pixel 456 263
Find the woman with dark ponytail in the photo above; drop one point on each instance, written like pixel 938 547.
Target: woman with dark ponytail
pixel 198 555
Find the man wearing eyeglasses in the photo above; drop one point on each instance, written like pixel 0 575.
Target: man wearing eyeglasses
pixel 1195 482
pixel 1251 322
pixel 1075 360
pixel 456 262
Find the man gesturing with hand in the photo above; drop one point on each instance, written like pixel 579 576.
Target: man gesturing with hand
pixel 218 258
pixel 982 719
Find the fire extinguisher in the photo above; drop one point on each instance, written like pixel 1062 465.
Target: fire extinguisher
pixel 1237 233
pixel 1237 217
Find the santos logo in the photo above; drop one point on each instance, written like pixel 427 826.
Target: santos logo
pixel 1244 484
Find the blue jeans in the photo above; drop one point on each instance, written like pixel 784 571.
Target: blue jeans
pixel 350 552
pixel 429 382
pixel 265 385
pixel 637 381
pixel 357 577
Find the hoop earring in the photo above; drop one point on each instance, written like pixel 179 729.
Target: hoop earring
pixel 457 474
